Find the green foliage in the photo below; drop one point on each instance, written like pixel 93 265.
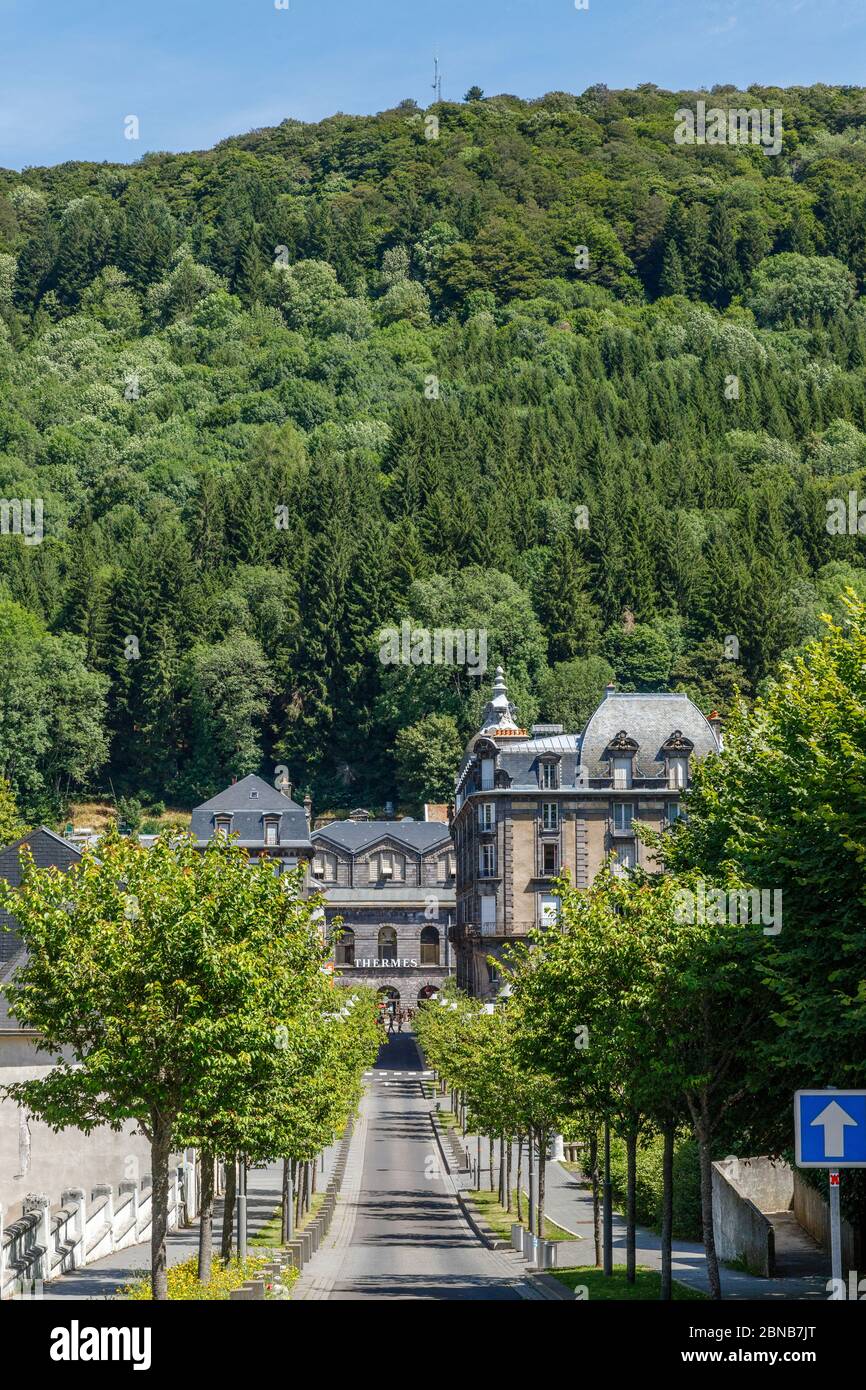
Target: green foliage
pixel 292 389
pixel 184 992
pixel 686 1188
pixel 571 690
pixel 11 825
pixel 426 755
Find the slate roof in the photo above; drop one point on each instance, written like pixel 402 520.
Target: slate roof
pixel 650 719
pixel 356 836
pixel 246 802
pixel 47 848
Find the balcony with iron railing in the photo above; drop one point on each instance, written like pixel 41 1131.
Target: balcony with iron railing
pixel 498 928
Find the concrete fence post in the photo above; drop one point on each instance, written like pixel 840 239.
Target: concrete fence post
pixel 132 1188
pixel 41 1204
pixel 105 1189
pixel 76 1197
pixel 2 1253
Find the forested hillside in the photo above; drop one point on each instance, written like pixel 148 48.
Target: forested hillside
pixel 278 395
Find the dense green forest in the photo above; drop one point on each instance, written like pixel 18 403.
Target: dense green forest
pixel 278 395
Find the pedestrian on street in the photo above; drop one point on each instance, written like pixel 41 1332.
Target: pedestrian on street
pixel 390 1023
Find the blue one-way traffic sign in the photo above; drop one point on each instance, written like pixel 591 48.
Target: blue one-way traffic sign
pixel 830 1129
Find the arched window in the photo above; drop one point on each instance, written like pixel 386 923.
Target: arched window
pixel 387 944
pixel 346 947
pixel 429 946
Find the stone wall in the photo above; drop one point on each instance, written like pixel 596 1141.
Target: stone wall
pixel 813 1213
pixel 743 1190
pixel 46 1241
pixel 33 1158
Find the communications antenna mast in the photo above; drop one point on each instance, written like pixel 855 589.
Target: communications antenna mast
pixel 437 79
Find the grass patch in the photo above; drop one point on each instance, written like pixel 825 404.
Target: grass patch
pixel 271 1233
pixel 616 1288
pixel 500 1221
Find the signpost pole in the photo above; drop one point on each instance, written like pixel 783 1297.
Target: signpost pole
pixel 835 1226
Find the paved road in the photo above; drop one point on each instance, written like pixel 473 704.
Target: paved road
pixel 398 1232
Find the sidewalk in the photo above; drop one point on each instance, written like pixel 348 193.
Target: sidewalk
pixel 568 1203
pixel 105 1277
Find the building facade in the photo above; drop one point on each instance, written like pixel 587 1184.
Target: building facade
pixel 531 804
pixel 389 904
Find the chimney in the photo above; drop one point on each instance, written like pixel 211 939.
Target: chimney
pixel 308 810
pixel 609 690
pixel 234 780
pixel 715 722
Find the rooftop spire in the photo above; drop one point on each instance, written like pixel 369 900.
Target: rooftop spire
pixel 498 718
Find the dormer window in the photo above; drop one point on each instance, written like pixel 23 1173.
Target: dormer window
pixel 676 753
pixel 678 772
pixel 272 831
pixel 548 774
pixel 621 753
pixel 487 774
pixel 622 773
pixel 223 825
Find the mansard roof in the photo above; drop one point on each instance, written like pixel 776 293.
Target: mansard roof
pixel 650 725
pixel 247 802
pixel 357 836
pixel 646 726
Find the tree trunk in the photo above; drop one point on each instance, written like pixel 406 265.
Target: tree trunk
pixel 314 1166
pixel 508 1156
pixel 519 1169
pixel 596 1204
pixel 630 1218
pixel 667 1208
pixel 542 1176
pixel 205 1223
pixel 490 1160
pixel 703 1134
pixel 160 1153
pixel 229 1200
pixel 502 1170
pixel 299 1190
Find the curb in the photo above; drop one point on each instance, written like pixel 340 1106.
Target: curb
pixel 478 1225
pixel 548 1287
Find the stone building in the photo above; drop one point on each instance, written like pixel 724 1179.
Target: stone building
pixel 531 804
pixel 391 884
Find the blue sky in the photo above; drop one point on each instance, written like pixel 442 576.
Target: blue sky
pixel 195 71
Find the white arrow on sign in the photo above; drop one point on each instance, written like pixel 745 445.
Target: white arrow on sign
pixel 834 1120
